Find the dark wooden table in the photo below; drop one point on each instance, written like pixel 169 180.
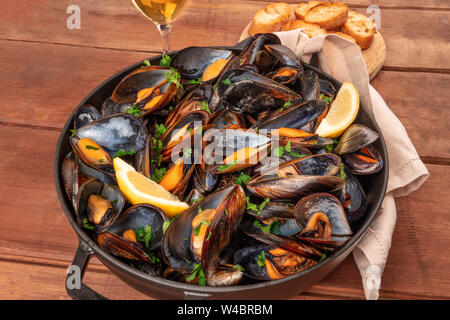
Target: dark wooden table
pixel 47 69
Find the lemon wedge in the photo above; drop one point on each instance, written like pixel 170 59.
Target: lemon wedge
pixel 343 111
pixel 137 188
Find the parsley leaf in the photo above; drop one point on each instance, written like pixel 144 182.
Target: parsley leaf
pixel 87 225
pixel 122 153
pixel 209 236
pixel 227 82
pixel 242 179
pixel 343 174
pixel 287 104
pixel 278 152
pixel 325 98
pixel 198 200
pixel 226 166
pixel 204 106
pixel 197 271
pixel 144 235
pixel 329 147
pixel 287 147
pixel 146 63
pixel 134 110
pixel 73 132
pixel 91 147
pixel 297 155
pixel 174 77
pixel 323 257
pixel 198 81
pixel 262 226
pixel 165 61
pixel 254 207
pixel 238 267
pixel 261 259
pixel 158 174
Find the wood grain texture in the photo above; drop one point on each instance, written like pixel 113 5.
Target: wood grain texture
pixel 60 87
pixel 419 39
pixel 398 4
pixel 34 230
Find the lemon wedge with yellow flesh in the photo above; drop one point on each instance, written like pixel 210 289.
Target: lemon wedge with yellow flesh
pixel 343 111
pixel 137 188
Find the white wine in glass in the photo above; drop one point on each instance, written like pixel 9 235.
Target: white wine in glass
pixel 162 13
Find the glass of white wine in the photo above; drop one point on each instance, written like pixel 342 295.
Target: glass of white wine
pixel 162 13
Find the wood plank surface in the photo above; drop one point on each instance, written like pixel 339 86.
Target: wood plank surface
pixel 62 86
pixel 34 226
pixel 419 39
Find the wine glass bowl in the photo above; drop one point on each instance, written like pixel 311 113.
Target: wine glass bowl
pixel 163 13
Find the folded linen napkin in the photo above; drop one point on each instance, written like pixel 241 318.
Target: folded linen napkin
pixel 343 60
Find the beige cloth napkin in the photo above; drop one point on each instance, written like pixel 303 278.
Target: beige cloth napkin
pixel 343 60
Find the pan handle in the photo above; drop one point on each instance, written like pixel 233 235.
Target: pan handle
pixel 75 288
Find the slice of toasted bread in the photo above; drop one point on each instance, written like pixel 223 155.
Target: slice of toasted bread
pixel 361 28
pixel 270 18
pixel 346 36
pixel 302 8
pixel 328 15
pixel 310 29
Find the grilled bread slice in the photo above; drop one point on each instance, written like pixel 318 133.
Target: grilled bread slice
pixel 346 36
pixel 361 28
pixel 270 18
pixel 310 29
pixel 328 15
pixel 302 8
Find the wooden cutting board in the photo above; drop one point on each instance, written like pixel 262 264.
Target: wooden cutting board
pixel 374 56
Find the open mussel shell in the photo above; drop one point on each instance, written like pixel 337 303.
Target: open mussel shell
pixel 328 205
pixel 225 276
pixel 192 62
pixel 326 164
pixel 272 209
pixel 248 258
pixel 296 116
pixel 255 53
pixel 293 187
pixel 100 203
pixel 138 217
pixel 327 88
pixel 115 132
pixel 109 107
pixel 226 119
pixel 92 155
pixel 356 202
pixel 355 137
pixel 286 76
pixel 85 114
pixel 229 205
pixel 257 95
pixel 363 162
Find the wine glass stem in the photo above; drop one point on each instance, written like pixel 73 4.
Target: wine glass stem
pixel 164 29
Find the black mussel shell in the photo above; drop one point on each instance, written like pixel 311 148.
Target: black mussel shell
pixel 365 161
pixel 355 137
pixel 84 115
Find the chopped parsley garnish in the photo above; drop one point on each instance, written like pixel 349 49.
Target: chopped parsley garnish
pixel 325 98
pixel 198 81
pixel 226 166
pixel 160 130
pixel 323 257
pixel 153 259
pixel 171 108
pixel 281 109
pixel 287 147
pixel 226 212
pixel 278 152
pixel 144 235
pixel 146 63
pixel 87 225
pixel 227 82
pixel 114 201
pixel 73 132
pixel 287 104
pixel 335 141
pixel 297 155
pixel 91 147
pixel 166 224
pixel 215 86
pixel 254 207
pixel 134 110
pixel 329 147
pixel 197 230
pixel 199 209
pixel 343 174
pixel 261 259
pixel 197 200
pixel 174 77
pixel 204 106
pixel 242 179
pixel 158 174
pixel 209 236
pixel 197 271
pixel 122 153
pixel 165 60
pixel 238 267
pixel 100 160
pixel 273 227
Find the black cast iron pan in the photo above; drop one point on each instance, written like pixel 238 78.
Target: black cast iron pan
pixel 155 287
